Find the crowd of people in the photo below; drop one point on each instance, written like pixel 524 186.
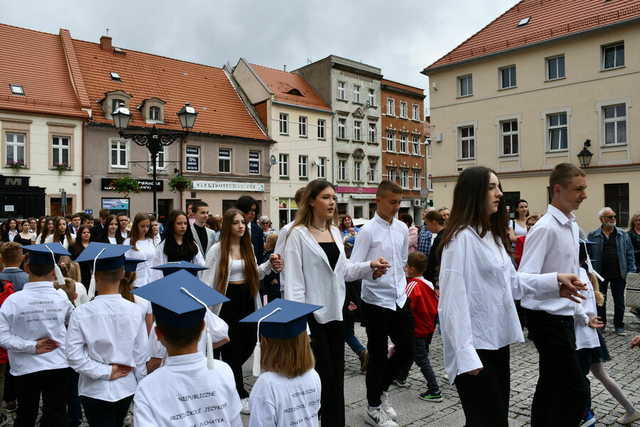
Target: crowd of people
pixel 102 317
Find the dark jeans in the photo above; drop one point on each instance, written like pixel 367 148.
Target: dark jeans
pixel 422 360
pixel 585 357
pixel 382 324
pixel 327 343
pixel 350 337
pixel 101 413
pixel 485 397
pixel 617 290
pixel 53 385
pixel 562 389
pixel 9 385
pixel 75 409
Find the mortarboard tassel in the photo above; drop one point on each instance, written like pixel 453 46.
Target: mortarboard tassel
pixel 256 351
pixel 590 268
pixel 209 351
pixel 56 268
pixel 92 285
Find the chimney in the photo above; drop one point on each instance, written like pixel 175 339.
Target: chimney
pixel 284 67
pixel 105 43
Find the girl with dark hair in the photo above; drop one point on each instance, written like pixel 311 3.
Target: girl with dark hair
pixel 47 229
pixel 178 244
pixel 61 233
pixel 518 225
pixel 10 230
pixel 142 248
pixel 83 238
pixel 234 272
pixel 478 285
pixel 110 234
pixel 25 237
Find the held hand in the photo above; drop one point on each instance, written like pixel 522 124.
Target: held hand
pixel 570 284
pixel 635 342
pixel 276 262
pixel 45 345
pixel 379 267
pixel 475 372
pixel 595 323
pixel 351 306
pixel 119 371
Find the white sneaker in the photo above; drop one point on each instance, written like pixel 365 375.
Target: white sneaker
pixel 377 417
pixel 386 406
pixel 246 410
pixel 629 418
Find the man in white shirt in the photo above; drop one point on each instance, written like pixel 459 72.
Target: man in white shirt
pixel 32 329
pixel 553 245
pixel 384 302
pixel 203 235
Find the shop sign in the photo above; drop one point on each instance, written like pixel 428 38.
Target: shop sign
pixel 145 184
pixel 227 186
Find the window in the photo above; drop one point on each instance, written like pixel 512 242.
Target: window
pixel 342 170
pixel 508 77
pixel 465 85
pixel 356 93
pixel 15 148
pixel 372 97
pixel 509 136
pixel 284 124
pixel 415 142
pixel 160 159
pixel 372 171
pixel 342 128
pixel 322 167
pixel 116 103
pixel 415 112
pixel 16 89
pixel 524 21
pixel 416 179
pixel 372 133
pixel 254 162
pixel 192 158
pixel 392 174
pixel 404 178
pixel 403 143
pixel 391 107
pixel 302 126
pixel 403 109
pixel 357 130
pixel 155 114
pixel 357 171
pixel 390 137
pixel 616 196
pixel 119 153
pixel 467 142
pixel 613 56
pixel 115 76
pixel 555 67
pixel 341 91
pixel 321 128
pixel 615 124
pixel 61 149
pixel 224 159
pixel 557 131
pixel 430 182
pixel 303 166
pixel 283 165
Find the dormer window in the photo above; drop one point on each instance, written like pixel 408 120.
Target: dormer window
pixel 114 99
pixel 155 114
pixel 115 103
pixel 115 76
pixel 16 89
pixel 152 110
pixel 295 92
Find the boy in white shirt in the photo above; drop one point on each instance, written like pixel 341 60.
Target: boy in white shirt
pixel 32 329
pixel 191 388
pixel 107 341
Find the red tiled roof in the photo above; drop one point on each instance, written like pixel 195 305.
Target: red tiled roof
pixel 143 75
pixel 36 61
pixel 549 20
pixel 281 82
pixel 418 91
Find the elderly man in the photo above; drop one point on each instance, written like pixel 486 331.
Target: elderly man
pixel 612 256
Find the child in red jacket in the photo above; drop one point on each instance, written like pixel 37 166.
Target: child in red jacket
pixel 424 306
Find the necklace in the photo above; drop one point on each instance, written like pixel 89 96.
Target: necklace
pixel 319 229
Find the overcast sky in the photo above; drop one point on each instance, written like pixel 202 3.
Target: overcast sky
pixel 401 37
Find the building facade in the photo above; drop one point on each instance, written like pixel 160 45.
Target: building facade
pixel 299 122
pixel 404 144
pixel 528 92
pixel 352 90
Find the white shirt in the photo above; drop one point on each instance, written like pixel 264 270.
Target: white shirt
pixel 552 246
pixel 309 278
pixel 146 250
pixel 478 285
pixel 280 401
pixel 81 295
pixel 586 336
pixel 279 247
pixel 185 393
pixel 144 304
pixel 108 329
pixel 37 311
pixel 378 238
pixel 12 234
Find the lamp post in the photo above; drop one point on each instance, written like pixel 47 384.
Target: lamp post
pixel 585 155
pixel 155 139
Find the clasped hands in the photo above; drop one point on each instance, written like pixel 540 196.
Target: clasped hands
pixel 379 267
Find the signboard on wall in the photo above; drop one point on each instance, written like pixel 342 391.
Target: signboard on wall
pixel 227 186
pixel 145 184
pixel 115 204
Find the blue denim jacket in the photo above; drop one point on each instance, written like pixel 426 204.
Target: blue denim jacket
pixel 626 256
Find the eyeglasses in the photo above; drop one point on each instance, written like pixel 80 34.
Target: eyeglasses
pixel 609 216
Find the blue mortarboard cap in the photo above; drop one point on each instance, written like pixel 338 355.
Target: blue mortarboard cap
pixel 131 264
pixel 173 306
pixel 107 257
pixel 281 318
pixel 172 267
pixel 41 254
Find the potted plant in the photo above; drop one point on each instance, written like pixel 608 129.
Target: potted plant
pixel 179 183
pixel 126 185
pixel 61 167
pixel 15 164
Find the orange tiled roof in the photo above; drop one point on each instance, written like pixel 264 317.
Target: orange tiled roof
pixel 36 61
pixel 281 82
pixel 418 91
pixel 549 20
pixel 144 76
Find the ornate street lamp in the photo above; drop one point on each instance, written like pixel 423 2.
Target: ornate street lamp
pixel 585 155
pixel 155 139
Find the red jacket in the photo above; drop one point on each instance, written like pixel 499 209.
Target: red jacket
pixel 6 289
pixel 424 306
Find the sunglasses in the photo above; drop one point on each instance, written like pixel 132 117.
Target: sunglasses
pixel 610 216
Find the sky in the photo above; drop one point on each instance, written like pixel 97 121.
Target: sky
pixel 402 37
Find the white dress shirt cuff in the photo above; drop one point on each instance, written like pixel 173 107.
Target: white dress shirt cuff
pixel 467 359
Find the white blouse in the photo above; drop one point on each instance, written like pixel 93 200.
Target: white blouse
pixel 586 336
pixel 478 285
pixel 146 250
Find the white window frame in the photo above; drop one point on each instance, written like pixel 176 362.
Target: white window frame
pixel 404 143
pixel 415 112
pixel 225 158
pixel 123 146
pixel 342 170
pixel 403 109
pixel 372 133
pixel 16 89
pixel 322 167
pixel 549 128
pixel 303 166
pixel 416 179
pixel 372 170
pixel 513 74
pixel 161 159
pixel 357 171
pixel 372 97
pixel 302 126
pixel 404 178
pixel 322 125
pixel 470 140
pixel 547 66
pixel 356 94
pixel 283 165
pixel 283 120
pixel 392 174
pixel 254 158
pixel 465 82
pixel 188 155
pixel 391 136
pixel 342 91
pixel 415 144
pixel 511 133
pixel 61 148
pixel 156 119
pixel 603 51
pixel 357 130
pixel 342 128
pixel 391 107
pixel 15 147
pixel 615 120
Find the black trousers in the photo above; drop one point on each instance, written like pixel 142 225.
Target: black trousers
pixel 53 385
pixel 562 390
pixel 382 324
pixel 327 344
pixel 617 291
pixel 485 397
pixel 101 413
